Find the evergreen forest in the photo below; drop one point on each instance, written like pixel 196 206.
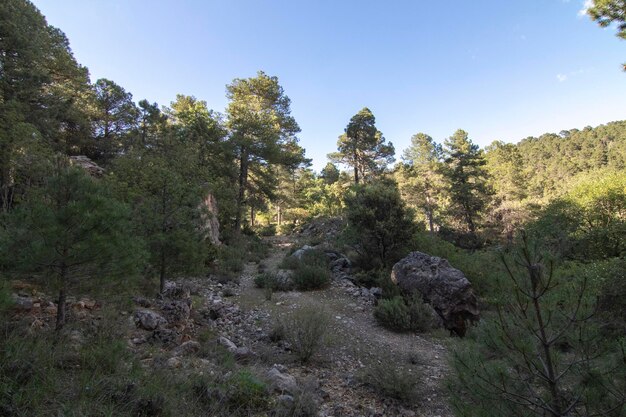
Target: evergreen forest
pixel 150 253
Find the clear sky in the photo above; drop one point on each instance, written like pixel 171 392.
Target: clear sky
pixel 497 69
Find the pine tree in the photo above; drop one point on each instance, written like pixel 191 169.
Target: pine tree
pixel 466 176
pixel 363 146
pixel 71 230
pixel 262 132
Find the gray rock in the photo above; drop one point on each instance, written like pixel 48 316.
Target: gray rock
pixel 228 344
pixel 174 362
pixel 88 165
pixel 284 280
pixel 148 319
pixel 445 288
pixel 281 381
pixel 177 311
pixel 165 337
pixel 300 252
pixel 23 303
pixel 376 292
pixel 187 348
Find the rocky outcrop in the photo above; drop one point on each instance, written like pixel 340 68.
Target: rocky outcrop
pixel 88 165
pixel 445 288
pixel 148 319
pixel 211 222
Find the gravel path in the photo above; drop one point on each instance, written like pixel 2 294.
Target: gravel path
pixel 356 342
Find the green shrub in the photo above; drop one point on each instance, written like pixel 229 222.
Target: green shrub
pixel 310 277
pixel 393 314
pixel 379 223
pixel 402 315
pixel 273 282
pixel 246 391
pixel 289 262
pixel 267 230
pixel 305 330
pixel 304 403
pixel 390 381
pixel 311 271
pixel 286 228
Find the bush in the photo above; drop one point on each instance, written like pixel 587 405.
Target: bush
pixel 240 393
pixel 305 330
pixel 304 403
pixel 267 230
pixel 307 277
pixel 402 315
pixel 393 314
pixel 390 381
pixel 311 270
pixel 379 223
pixel 272 282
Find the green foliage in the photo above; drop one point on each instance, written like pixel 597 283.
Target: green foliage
pixel 310 271
pixel 245 392
pixel 471 263
pixel 389 380
pixel 311 277
pixel 262 134
pixel 44 94
pixel 306 331
pixel 393 314
pixel 588 222
pixel 420 180
pixel 606 12
pixel 304 403
pixel 330 173
pixel 114 119
pixel 271 281
pixel 72 230
pixel 163 187
pixel 466 176
pixel 363 146
pixel 402 315
pixel 379 223
pixel 540 355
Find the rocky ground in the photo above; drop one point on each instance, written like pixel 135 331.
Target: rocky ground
pixel 196 316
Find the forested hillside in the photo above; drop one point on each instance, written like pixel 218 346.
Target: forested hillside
pixel 172 193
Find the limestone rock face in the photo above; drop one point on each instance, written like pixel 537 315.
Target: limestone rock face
pixel 211 223
pixel 445 288
pixel 88 165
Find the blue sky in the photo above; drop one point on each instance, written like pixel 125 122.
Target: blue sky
pixel 498 69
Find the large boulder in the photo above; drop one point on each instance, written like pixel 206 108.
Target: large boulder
pixel 445 288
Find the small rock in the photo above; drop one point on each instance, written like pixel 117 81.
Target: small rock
pixel 148 319
pixel 282 382
pixel 187 348
pixel 174 362
pixel 227 343
pixel 22 302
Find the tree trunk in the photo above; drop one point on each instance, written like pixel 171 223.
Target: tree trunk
pixel 556 400
pixel 429 216
pixel 162 272
pixel 252 220
pixel 243 182
pixel 279 215
pixel 62 297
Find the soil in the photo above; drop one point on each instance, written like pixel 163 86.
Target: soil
pixel 357 341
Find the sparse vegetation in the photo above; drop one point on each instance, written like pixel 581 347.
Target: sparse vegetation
pixel 403 315
pixel 103 196
pixel 306 331
pixel 390 380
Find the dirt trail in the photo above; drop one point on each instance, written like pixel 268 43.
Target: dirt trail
pixel 357 340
